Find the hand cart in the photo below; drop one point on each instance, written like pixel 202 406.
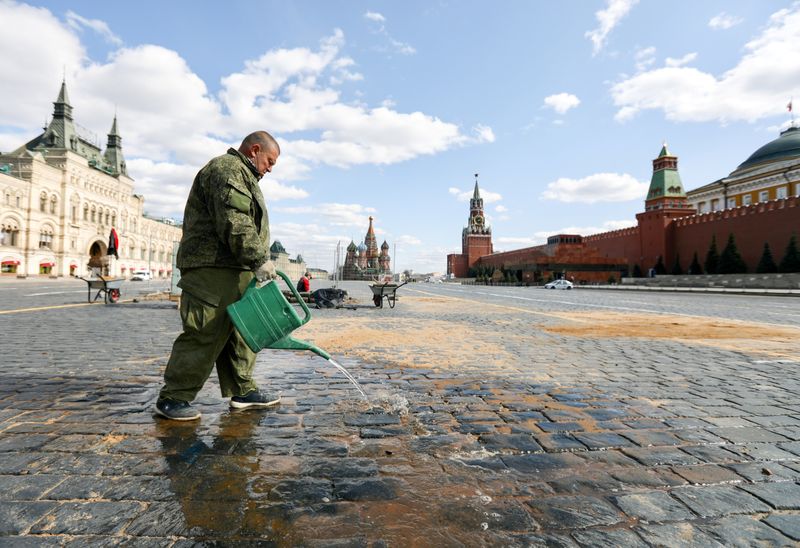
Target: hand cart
pixel 107 286
pixel 386 291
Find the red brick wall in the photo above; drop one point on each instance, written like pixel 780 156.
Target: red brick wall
pixel 772 222
pixel 618 243
pixel 477 247
pixel 457 265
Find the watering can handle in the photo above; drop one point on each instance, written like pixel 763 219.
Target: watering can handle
pixel 296 296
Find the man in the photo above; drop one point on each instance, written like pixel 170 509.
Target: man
pixel 303 284
pixel 225 244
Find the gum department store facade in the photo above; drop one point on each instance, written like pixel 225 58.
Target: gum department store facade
pixel 62 195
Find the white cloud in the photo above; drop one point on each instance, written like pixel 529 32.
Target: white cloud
pixel 375 16
pixel 645 57
pixel 500 208
pixel 380 28
pixel 756 88
pixel 680 61
pixel 607 19
pixel 465 195
pixel 334 214
pixel 274 191
pixel 724 21
pixel 562 102
pixel 599 187
pixel 407 239
pixel 483 134
pixel 171 124
pixel 78 22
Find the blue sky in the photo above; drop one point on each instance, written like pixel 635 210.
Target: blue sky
pixel 389 108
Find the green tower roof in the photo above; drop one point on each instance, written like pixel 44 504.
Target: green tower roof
pixel 666 181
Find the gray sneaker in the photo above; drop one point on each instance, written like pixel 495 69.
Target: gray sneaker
pixel 255 398
pixel 176 410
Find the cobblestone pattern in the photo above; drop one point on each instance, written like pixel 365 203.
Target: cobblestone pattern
pixel 582 443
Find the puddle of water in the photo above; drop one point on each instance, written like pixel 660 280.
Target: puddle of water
pixel 350 377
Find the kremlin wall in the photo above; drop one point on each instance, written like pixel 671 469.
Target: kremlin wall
pixel 757 203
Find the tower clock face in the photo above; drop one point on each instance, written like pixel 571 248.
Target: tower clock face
pixel 478 220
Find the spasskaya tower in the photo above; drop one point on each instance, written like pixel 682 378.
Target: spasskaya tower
pixel 476 238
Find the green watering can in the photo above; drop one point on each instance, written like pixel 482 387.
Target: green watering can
pixel 264 318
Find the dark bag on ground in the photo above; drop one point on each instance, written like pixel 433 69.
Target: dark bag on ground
pixel 329 297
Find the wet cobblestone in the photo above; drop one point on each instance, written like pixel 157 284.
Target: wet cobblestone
pixel 578 442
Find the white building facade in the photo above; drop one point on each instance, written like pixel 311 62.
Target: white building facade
pixel 60 196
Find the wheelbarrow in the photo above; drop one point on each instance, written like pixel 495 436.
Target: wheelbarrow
pixel 386 291
pixel 106 286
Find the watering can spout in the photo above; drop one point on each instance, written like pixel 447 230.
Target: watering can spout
pixel 289 343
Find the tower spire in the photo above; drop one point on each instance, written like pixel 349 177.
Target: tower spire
pixel 113 155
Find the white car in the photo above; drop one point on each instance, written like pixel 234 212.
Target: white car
pixel 559 284
pixel 141 276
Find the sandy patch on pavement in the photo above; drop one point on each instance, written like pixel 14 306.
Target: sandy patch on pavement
pixel 726 334
pixel 405 343
pixel 402 341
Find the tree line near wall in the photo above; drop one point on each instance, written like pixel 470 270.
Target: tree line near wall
pixel 730 261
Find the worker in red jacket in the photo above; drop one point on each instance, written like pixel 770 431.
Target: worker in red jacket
pixel 304 284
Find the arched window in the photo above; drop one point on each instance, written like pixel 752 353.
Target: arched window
pixel 94 214
pixel 9 233
pixel 8 197
pixel 53 204
pixel 43 203
pixel 46 238
pixel 108 216
pixel 113 219
pixel 86 212
pixel 19 200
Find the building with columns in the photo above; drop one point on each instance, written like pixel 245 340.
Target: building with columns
pixel 60 196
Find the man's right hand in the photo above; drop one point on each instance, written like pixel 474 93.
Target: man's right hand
pixel 266 272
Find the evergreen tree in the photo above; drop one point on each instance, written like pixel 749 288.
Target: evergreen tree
pixel 637 271
pixel 676 268
pixel 730 261
pixel 766 264
pixel 712 257
pixel 791 259
pixel 660 268
pixel 695 267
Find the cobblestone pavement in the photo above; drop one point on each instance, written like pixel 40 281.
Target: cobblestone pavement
pixel 573 441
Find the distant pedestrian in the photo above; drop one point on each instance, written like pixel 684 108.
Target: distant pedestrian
pixel 225 244
pixel 304 283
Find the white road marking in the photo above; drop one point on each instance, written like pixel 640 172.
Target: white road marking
pixel 53 293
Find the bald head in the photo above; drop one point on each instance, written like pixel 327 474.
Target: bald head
pixel 262 149
pixel 261 138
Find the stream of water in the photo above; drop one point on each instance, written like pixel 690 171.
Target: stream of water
pixel 350 377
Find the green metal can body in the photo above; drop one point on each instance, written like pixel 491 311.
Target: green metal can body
pixel 263 316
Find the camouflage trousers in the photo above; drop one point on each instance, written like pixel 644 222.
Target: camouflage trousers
pixel 209 337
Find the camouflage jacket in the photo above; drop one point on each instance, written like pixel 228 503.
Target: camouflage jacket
pixel 225 223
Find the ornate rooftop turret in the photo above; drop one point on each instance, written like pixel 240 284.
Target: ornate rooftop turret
pixel 113 155
pixel 277 247
pixel 351 246
pixel 60 132
pixel 666 189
